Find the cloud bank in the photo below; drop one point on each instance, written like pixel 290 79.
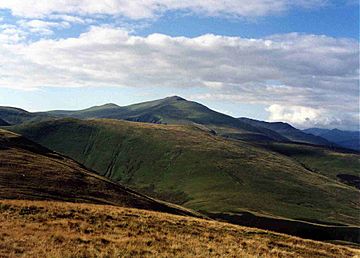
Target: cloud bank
pixel 317 72
pixel 149 9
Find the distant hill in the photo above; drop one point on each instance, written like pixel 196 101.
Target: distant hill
pixel 193 167
pixel 29 171
pixel 14 116
pixel 346 139
pixel 288 131
pixel 176 110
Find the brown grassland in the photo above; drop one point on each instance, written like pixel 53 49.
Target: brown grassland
pixel 60 229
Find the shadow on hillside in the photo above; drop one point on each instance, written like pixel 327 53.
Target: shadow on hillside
pixel 322 232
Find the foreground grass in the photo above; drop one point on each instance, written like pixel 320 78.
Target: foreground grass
pixel 58 229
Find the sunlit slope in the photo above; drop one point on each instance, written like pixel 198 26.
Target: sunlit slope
pixel 190 166
pixel 54 229
pixel 32 172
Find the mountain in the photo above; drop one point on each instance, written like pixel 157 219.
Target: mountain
pixel 176 110
pixel 29 171
pixel 3 123
pixel 193 167
pixel 288 131
pixel 346 139
pixel 14 116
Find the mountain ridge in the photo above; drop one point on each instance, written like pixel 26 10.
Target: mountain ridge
pixel 289 131
pixel 177 110
pixel 346 139
pixel 170 110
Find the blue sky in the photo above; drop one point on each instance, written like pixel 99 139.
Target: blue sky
pixel 284 61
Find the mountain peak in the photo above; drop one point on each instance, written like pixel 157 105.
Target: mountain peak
pixel 109 105
pixel 175 98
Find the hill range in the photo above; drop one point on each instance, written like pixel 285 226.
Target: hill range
pixel 176 110
pixel 345 139
pixel 268 175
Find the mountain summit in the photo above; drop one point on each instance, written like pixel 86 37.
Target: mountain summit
pixel 177 110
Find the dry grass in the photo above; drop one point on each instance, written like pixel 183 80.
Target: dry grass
pixel 58 229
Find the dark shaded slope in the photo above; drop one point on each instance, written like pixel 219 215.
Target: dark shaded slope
pixel 288 131
pixel 3 123
pixel 31 172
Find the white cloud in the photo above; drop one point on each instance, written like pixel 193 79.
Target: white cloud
pixel 307 117
pixel 42 27
pixel 70 18
pixel 139 9
pixel 297 115
pixel 11 34
pixel 317 72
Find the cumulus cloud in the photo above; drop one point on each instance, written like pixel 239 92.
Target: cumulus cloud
pixel 140 9
pixel 317 72
pixel 306 117
pixel 295 114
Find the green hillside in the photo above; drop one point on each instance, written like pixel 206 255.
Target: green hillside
pixel 343 166
pixel 193 167
pixel 29 171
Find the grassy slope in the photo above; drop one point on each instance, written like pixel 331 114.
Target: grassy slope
pixel 52 229
pixel 187 165
pixel 30 171
pixel 320 160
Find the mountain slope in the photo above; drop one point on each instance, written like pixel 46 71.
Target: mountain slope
pixel 346 139
pixel 30 171
pixel 288 131
pixel 193 167
pixel 176 110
